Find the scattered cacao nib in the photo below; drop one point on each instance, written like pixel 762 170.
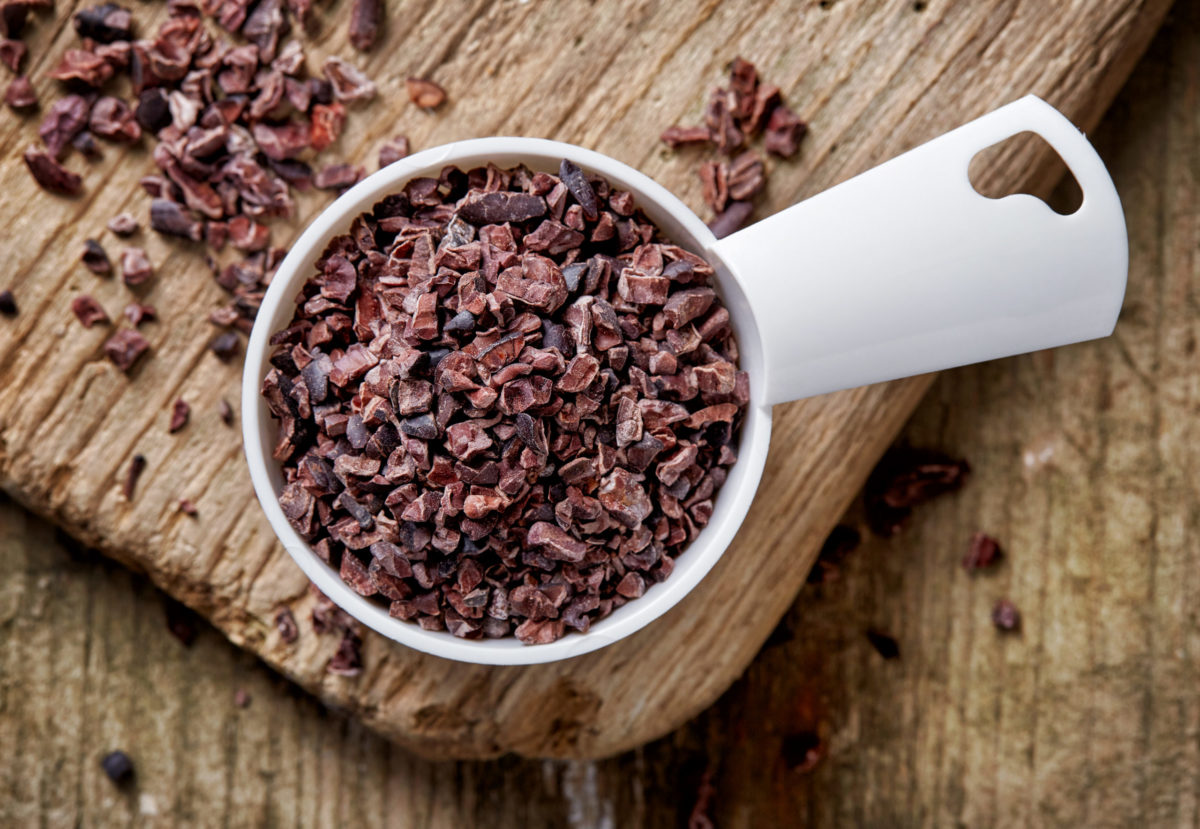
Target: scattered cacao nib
pixel 496 419
pixel 112 118
pixel 784 132
pixel 123 224
pixel 366 23
pixel 424 93
pixel 51 175
pixel 225 346
pixel 241 698
pixel 802 752
pixel 125 347
pixel 135 266
pixel 104 23
pixel 731 219
pixel 168 217
pixel 842 541
pixel 137 465
pixel 182 621
pixel 348 82
pixel 8 303
pixel 83 66
pixel 188 508
pixel 338 177
pixel 886 646
pixel 677 136
pixel 179 415
pixel 347 661
pixel 137 313
pixel 1006 617
pixel 117 767
pixel 225 411
pixel 12 52
pixel 736 112
pixel 94 258
pixel 285 623
pixel 904 478
pixel 393 151
pixel 88 310
pixel 984 552
pixel 20 95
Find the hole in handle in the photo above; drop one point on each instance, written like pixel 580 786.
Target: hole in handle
pixel 1049 178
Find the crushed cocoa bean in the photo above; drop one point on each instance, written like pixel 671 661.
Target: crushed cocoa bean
pixel 983 552
pixel 424 93
pixel 366 23
pixel 1006 617
pixel 904 478
pixel 88 311
pixel 125 347
pixel 137 313
pixel 123 224
pixel 95 259
pixel 179 415
pixel 8 303
pixel 19 96
pixel 135 266
pixel 137 465
pixel 497 418
pixel 885 645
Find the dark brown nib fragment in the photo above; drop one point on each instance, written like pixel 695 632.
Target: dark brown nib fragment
pixel 188 508
pixel 225 411
pixel 1006 617
pixel 505 404
pixel 125 347
pixel 366 21
pixel 179 415
pixel 393 151
pixel 123 224
pixel 225 346
pixel 88 311
pixel 731 219
pixel 104 23
pixel 135 266
pixel 425 93
pixel 904 478
pixel 8 303
pixel 50 175
pixel 842 541
pixel 95 259
pixel 984 552
pixel 137 465
pixel 117 767
pixel 21 95
pixel 885 645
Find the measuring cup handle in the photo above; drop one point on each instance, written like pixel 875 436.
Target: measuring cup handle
pixel 906 269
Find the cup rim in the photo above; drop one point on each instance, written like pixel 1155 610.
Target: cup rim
pixel 731 503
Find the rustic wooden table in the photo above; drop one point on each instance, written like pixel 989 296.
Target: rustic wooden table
pixel 1084 465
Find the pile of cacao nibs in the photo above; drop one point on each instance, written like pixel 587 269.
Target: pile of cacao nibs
pixel 505 402
pixel 735 113
pixel 234 128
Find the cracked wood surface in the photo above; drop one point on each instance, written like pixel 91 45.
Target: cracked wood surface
pixel 874 79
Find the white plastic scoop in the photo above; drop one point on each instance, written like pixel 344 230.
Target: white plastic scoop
pixel 902 270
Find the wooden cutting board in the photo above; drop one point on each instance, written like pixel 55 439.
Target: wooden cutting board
pixel 874 79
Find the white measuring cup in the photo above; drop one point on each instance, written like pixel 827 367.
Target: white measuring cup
pixel 902 270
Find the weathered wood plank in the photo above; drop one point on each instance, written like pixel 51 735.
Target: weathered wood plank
pixel 875 79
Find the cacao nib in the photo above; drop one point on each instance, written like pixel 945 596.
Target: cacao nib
pixel 904 478
pixel 885 645
pixel 137 313
pixel 393 151
pixel 984 552
pixel 20 95
pixel 88 311
pixel 95 259
pixel 8 303
pixel 731 219
pixel 366 23
pixel 117 767
pixel 179 415
pixel 137 465
pixel 135 266
pixel 125 347
pixel 424 93
pixel 1006 617
pixel 123 224
pixel 12 52
pixel 169 218
pixel 104 23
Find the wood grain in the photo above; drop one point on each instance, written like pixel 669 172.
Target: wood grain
pixel 874 78
pixel 1087 719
